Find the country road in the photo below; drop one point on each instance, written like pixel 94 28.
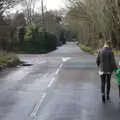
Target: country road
pixel 61 85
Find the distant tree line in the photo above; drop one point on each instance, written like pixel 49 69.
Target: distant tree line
pixel 95 21
pixel 25 31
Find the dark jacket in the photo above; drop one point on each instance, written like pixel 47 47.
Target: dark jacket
pixel 105 60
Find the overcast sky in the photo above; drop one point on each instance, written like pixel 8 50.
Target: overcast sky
pixel 55 4
pixel 50 5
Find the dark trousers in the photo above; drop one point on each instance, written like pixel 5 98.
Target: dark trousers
pixel 105 84
pixel 119 89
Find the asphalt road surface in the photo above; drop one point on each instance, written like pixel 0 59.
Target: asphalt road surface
pixel 61 85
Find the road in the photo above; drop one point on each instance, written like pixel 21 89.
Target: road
pixel 61 85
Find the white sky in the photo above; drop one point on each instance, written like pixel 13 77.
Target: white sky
pixel 55 4
pixel 49 4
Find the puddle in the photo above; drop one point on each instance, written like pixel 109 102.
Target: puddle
pixel 25 64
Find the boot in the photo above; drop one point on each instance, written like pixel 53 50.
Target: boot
pixel 103 99
pixel 119 90
pixel 108 97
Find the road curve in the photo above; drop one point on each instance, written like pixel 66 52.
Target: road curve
pixel 61 85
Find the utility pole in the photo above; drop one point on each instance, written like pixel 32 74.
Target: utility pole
pixel 43 20
pixel 43 16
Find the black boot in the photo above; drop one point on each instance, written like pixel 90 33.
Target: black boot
pixel 108 97
pixel 103 99
pixel 119 90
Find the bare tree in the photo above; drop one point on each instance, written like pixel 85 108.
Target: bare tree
pixel 29 9
pixel 96 16
pixel 18 20
pixel 6 4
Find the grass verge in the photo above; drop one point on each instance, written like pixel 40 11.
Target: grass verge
pixel 8 60
pixel 87 49
pixel 117 52
pixel 95 52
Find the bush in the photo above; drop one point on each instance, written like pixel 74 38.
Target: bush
pixel 32 33
pixel 8 60
pixel 37 40
pixel 51 41
pixel 86 48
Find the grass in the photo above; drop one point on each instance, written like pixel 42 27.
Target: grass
pixel 91 51
pixel 117 52
pixel 87 49
pixel 8 60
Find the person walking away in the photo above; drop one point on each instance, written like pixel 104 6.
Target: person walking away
pixel 106 64
pixel 117 73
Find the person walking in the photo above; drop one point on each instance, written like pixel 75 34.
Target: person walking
pixel 106 64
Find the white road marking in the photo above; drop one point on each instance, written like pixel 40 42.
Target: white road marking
pixel 58 70
pixel 64 59
pixel 37 107
pixel 61 66
pixel 51 82
pixel 56 73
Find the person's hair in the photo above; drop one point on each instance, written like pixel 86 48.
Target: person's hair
pixel 108 42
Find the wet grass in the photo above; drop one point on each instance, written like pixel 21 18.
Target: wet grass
pixel 87 49
pixel 117 52
pixel 95 52
pixel 8 60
